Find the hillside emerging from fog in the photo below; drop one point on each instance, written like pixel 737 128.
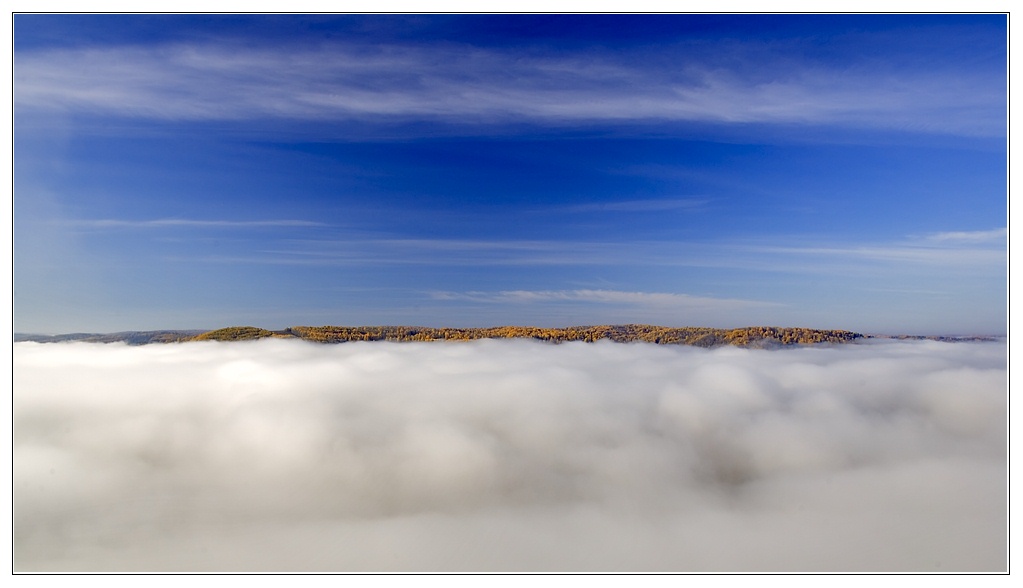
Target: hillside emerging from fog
pixel 698 336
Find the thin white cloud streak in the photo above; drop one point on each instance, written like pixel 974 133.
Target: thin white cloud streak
pixel 950 249
pixel 948 254
pixel 190 223
pixel 509 456
pixel 994 237
pixel 461 84
pixel 654 205
pixel 661 300
pixel 453 252
pixel 962 257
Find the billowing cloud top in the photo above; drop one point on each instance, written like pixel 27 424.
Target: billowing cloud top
pixel 509 456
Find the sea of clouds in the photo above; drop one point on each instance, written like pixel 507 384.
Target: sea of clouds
pixel 509 455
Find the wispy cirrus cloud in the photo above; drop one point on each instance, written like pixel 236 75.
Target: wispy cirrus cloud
pixel 949 249
pixel 456 84
pixel 647 205
pixel 619 297
pixel 781 254
pixel 993 236
pixel 465 252
pixel 191 223
pixel 916 255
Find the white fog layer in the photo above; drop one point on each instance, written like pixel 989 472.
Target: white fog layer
pixel 510 455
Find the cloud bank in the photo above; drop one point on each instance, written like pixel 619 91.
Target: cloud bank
pixel 281 455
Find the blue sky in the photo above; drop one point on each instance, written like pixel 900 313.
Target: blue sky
pixel 205 171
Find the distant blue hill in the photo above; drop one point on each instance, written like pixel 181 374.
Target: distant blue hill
pixel 129 337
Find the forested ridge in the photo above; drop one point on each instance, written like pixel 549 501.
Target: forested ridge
pixel 699 336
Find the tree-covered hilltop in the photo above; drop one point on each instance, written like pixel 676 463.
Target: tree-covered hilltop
pixel 699 336
pixel 238 334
